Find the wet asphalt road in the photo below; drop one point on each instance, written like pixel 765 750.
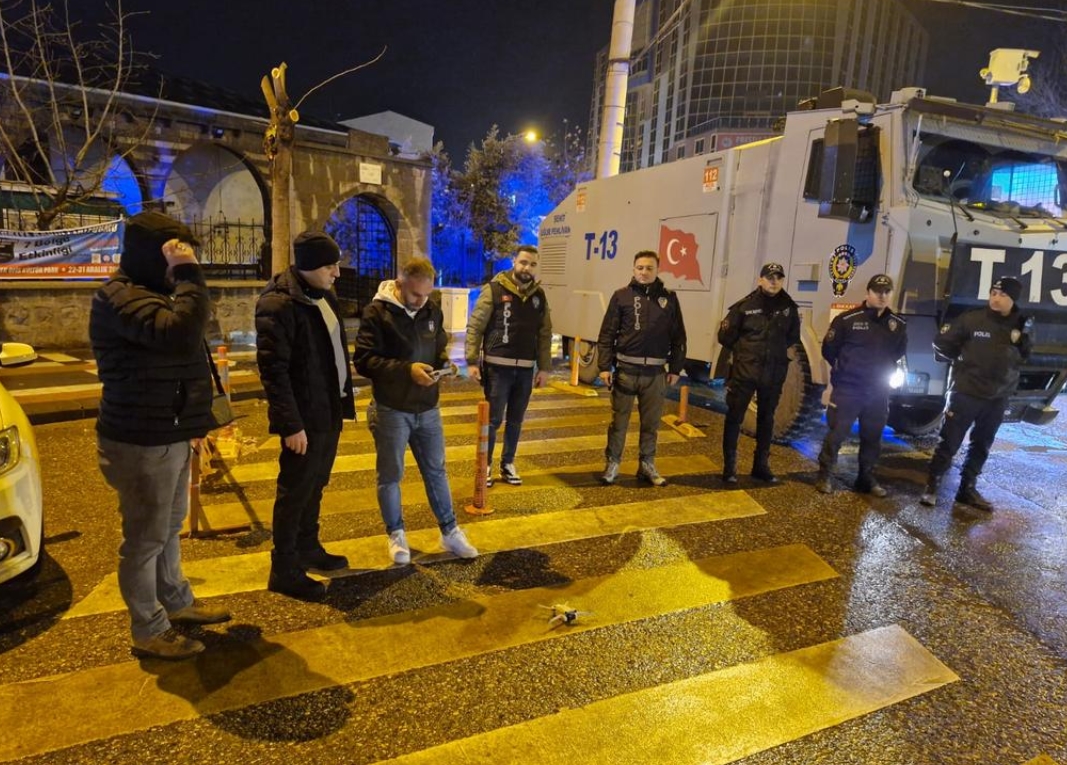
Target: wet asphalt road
pixel 986 594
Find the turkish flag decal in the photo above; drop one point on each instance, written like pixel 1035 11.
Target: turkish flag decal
pixel 678 254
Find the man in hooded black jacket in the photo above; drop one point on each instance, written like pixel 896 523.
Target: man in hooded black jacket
pixel 146 326
pixel 760 331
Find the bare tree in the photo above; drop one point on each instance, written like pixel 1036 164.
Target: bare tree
pixel 63 120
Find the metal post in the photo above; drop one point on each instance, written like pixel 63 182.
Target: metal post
pixel 575 353
pixel 480 502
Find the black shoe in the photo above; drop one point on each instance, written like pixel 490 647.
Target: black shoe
pixel 968 495
pixel 929 497
pixel 320 560
pixel 871 487
pixel 823 485
pixel 764 474
pixel 296 584
pixel 729 478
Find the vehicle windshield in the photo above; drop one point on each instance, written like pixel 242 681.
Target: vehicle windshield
pixel 992 178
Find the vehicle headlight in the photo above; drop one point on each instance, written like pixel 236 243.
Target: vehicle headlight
pixel 10 449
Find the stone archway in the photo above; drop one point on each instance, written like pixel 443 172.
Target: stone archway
pixel 365 228
pixel 222 198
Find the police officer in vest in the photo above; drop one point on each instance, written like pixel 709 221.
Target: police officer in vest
pixel 508 334
pixel 760 331
pixel 986 347
pixel 863 347
pixel 642 337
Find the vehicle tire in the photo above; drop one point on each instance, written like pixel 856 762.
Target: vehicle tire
pixel 587 362
pixel 915 420
pixel 799 408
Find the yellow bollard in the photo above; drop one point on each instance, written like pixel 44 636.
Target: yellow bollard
pixel 683 404
pixel 480 502
pixel 574 360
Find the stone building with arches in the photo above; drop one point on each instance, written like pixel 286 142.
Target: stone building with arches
pixel 196 154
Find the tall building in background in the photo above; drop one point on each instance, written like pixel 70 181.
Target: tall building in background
pixel 710 74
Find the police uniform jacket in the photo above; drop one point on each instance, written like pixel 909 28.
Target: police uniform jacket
pixel 863 349
pixel 986 350
pixel 511 321
pixel 758 330
pixel 295 355
pixel 390 339
pixel 642 321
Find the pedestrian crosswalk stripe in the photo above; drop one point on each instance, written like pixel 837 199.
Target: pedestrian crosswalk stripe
pixel 720 717
pixel 127 698
pixel 228 515
pixel 469 427
pixel 248 572
pixel 350 463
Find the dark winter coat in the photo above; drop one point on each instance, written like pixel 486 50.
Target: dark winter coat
pixel 642 320
pixel 986 350
pixel 151 359
pixel 758 330
pixel 295 355
pixel 863 349
pixel 390 341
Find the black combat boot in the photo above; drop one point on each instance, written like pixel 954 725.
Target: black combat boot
pixel 823 482
pixel 761 471
pixel 929 497
pixel 969 495
pixel 866 483
pixel 729 468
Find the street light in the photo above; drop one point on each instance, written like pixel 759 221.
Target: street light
pixel 530 136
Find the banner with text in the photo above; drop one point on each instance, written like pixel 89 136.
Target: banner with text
pixel 91 252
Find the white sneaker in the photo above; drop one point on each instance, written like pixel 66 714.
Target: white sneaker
pixel 398 548
pixel 509 474
pixel 456 543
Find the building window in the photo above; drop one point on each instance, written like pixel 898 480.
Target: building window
pixel 698 148
pixel 679 153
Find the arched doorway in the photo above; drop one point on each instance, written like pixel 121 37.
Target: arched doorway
pixel 217 194
pixel 368 250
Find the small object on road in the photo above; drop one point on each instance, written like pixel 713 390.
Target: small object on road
pixel 563 614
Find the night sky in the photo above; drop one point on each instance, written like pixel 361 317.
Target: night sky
pixel 463 65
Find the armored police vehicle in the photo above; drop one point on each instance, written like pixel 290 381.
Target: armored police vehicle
pixel 942 196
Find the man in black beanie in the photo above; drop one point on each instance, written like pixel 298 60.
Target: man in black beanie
pixel 146 327
pixel 303 360
pixel 986 347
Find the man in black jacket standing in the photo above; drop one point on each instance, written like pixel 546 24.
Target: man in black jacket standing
pixel 302 354
pixel 863 347
pixel 147 326
pixel 642 335
pixel 986 347
pixel 402 347
pixel 760 331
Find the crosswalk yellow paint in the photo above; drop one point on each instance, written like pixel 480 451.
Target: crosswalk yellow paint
pixel 350 463
pixel 720 717
pixel 248 572
pixel 236 514
pixel 127 697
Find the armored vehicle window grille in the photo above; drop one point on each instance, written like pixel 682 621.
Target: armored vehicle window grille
pixel 814 176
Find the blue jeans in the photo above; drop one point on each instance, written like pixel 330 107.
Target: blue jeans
pixel 507 389
pixel 153 487
pixel 393 431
